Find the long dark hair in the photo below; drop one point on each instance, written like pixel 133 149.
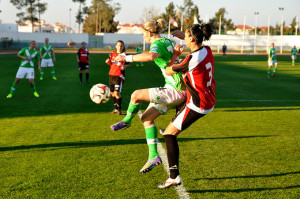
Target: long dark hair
pixel 201 32
pixel 124 49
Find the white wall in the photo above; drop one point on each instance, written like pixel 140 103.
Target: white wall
pixel 40 37
pixel 233 42
pixel 8 27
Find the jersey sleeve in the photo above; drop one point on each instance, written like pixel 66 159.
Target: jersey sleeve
pixel 183 66
pixel 154 48
pixel 21 52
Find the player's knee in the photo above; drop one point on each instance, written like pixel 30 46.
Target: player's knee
pixel 146 122
pixel 135 96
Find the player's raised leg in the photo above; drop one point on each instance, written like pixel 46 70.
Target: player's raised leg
pixel 137 98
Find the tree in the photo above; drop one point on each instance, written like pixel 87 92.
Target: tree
pixel 100 17
pixel 150 13
pixel 170 11
pixel 225 23
pixel 32 9
pixel 81 12
pixel 294 25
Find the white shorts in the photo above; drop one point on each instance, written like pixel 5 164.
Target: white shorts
pixel 162 99
pixel 25 72
pixel 294 57
pixel 47 63
pixel 272 62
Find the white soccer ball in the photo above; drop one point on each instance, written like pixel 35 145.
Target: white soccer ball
pixel 100 93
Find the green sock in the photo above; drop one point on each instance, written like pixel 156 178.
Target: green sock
pixel 131 112
pixel 293 61
pixel 269 71
pixel 42 72
pixel 33 87
pixel 274 71
pixel 52 72
pixel 13 88
pixel 151 136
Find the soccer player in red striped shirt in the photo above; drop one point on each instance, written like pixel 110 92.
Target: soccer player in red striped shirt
pixel 198 72
pixel 83 62
pixel 117 75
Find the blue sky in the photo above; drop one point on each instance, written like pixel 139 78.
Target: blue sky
pixel 132 10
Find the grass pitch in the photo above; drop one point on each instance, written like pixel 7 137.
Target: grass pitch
pixel 60 145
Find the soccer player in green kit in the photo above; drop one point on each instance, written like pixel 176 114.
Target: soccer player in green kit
pixel 294 55
pixel 29 56
pixel 272 61
pixel 139 50
pixel 48 57
pixel 173 93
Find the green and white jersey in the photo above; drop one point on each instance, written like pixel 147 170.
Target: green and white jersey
pixel 139 49
pixel 32 55
pixel 272 53
pixel 294 51
pixel 46 51
pixel 164 48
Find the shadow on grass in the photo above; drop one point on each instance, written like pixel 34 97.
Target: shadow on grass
pixel 251 176
pixel 109 143
pixel 243 190
pixel 272 109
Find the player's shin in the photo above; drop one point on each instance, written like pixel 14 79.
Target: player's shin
pixel 52 72
pixel 131 112
pixel 42 73
pixel 13 88
pixel 152 140
pixel 173 155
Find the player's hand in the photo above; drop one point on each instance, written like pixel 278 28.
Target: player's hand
pixel 120 58
pixel 179 34
pixel 178 49
pixel 108 61
pixel 39 68
pixel 54 59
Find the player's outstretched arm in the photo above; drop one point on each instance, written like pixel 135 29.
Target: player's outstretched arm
pixel 143 57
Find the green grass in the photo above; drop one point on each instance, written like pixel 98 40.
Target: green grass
pixel 60 145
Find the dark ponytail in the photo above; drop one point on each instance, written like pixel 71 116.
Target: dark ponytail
pixel 201 32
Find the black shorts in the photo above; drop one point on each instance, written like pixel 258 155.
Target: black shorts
pixel 83 66
pixel 115 83
pixel 185 117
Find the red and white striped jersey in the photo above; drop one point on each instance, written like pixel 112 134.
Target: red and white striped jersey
pixel 116 67
pixel 83 55
pixel 198 73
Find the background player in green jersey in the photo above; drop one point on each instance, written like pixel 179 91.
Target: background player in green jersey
pixel 294 55
pixel 272 61
pixel 173 93
pixel 30 56
pixel 48 57
pixel 139 50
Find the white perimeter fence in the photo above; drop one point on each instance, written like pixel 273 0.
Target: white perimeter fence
pixel 238 43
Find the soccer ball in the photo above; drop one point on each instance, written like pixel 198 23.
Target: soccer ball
pixel 100 93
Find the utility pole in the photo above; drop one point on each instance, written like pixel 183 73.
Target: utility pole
pixel 281 27
pixel 256 13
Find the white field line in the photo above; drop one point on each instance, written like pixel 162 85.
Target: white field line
pixel 181 191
